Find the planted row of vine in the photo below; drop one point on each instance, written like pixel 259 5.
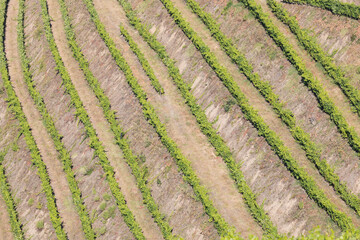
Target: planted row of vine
pixel 15 223
pixel 206 127
pixel 335 6
pixel 94 141
pixel 144 63
pixel 148 110
pixel 306 181
pixel 64 155
pixel 16 226
pixel 318 54
pixel 287 117
pixel 15 107
pixel 325 102
pixel 119 134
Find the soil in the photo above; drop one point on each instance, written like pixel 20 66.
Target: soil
pixel 24 183
pixel 282 197
pixel 175 198
pixel 213 96
pixel 182 127
pixel 47 149
pixel 259 49
pixel 126 181
pixel 338 36
pixel 5 227
pixel 89 174
pixel 333 91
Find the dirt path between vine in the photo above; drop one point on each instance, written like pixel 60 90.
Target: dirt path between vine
pixel 264 109
pixel 66 208
pixel 181 125
pixel 123 174
pixel 334 92
pixel 5 227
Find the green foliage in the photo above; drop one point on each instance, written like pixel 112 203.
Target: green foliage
pixel 14 146
pixel 14 106
pixel 314 85
pixel 353 37
pixel 64 155
pixel 40 225
pixel 229 103
pixel 39 205
pixel 335 6
pixel 227 7
pixel 306 181
pixel 102 206
pixel 5 188
pixel 207 129
pixel 319 55
pixel 31 202
pixel 91 133
pixel 89 171
pixel 106 197
pixel 150 115
pixel 313 154
pixel 130 158
pixel 144 63
pixel 352 200
pixel 101 231
pixel 109 213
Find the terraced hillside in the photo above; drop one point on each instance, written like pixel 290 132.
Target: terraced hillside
pixel 179 119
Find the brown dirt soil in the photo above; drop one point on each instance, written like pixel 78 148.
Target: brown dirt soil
pixel 259 49
pixel 126 181
pixel 256 100
pixel 47 150
pixel 338 36
pixel 5 227
pixel 25 184
pixel 182 127
pixel 175 198
pixel 212 96
pixel 333 91
pixel 89 173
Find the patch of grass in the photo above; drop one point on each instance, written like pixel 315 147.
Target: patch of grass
pixel 334 52
pixel 147 143
pixel 142 158
pixel 15 147
pixel 38 32
pixel 110 213
pixel 227 7
pixel 158 181
pixel 101 231
pixel 353 37
pixel 249 16
pixel 272 54
pixel 292 71
pixel 102 206
pixel 39 206
pixel 31 202
pixel 358 70
pixel 89 171
pixel 40 225
pixel 229 103
pixel 106 197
